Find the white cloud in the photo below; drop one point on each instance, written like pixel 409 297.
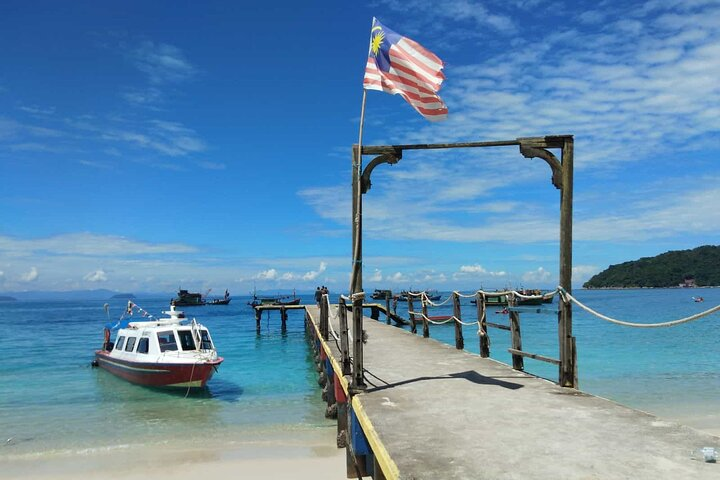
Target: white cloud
pixel 270 274
pixel 313 274
pixel 537 276
pixel 162 63
pixel 87 244
pixel 472 269
pixel 96 276
pixel 30 276
pixel 376 276
pixel 583 273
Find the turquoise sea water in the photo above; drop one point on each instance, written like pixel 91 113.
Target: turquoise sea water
pixel 52 402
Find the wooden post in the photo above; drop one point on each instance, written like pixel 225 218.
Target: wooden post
pixel 411 309
pixel 258 316
pixel 283 319
pixel 344 347
pixel 325 317
pixel 482 319
pixel 516 341
pixel 459 340
pixel 387 307
pixel 358 382
pixel 375 313
pixel 426 323
pixel 568 369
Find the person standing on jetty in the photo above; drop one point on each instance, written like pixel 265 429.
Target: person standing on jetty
pixel 318 296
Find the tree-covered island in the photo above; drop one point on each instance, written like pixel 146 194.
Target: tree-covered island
pixel 697 267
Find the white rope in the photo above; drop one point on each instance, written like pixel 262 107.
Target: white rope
pixel 326 299
pixel 567 297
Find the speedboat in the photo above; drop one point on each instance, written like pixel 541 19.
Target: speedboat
pixel 172 351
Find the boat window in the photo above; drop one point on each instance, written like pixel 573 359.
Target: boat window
pixel 143 345
pixel 205 342
pixel 120 342
pixel 186 339
pixel 167 341
pixel 130 344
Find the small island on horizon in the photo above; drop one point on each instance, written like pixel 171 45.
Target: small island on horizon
pixel 699 267
pixel 123 296
pixel 6 298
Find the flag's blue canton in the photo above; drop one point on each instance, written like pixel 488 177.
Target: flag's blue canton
pixel 383 55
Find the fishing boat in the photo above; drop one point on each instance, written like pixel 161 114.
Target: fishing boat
pixel 221 301
pixel 276 300
pixel 171 351
pixel 432 295
pixel 381 294
pixel 188 299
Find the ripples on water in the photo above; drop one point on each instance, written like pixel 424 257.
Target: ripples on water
pixel 52 401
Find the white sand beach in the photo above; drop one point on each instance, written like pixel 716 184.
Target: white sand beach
pixel 310 455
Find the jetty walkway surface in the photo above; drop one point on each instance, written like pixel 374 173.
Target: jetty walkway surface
pixel 434 412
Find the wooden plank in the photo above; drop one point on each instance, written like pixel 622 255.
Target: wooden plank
pixel 534 356
pixel 497 325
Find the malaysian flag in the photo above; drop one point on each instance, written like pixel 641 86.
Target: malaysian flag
pixel 399 65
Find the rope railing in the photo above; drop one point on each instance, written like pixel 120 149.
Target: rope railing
pixel 569 298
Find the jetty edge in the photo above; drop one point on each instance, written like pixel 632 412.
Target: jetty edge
pixel 432 411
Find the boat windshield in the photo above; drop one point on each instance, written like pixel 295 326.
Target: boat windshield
pixel 205 343
pixel 167 341
pixel 186 340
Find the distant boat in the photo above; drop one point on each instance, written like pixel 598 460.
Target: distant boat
pixel 276 300
pixel 187 299
pixel 381 294
pixel 432 295
pixel 221 301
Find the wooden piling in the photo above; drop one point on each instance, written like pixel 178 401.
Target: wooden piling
pixel 411 313
pixel 387 308
pixel 283 319
pixel 482 319
pixel 516 340
pixel 459 340
pixel 426 324
pixel 258 317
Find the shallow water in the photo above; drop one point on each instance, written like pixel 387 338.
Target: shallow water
pixel 52 402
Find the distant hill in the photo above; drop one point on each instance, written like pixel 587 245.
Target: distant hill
pixel 123 296
pixel 700 266
pixel 5 298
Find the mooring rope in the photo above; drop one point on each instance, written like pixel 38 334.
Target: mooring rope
pixel 569 298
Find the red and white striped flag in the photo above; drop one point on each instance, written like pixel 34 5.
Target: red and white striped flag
pixel 399 65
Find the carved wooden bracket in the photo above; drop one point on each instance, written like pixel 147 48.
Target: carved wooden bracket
pixel 390 158
pixel 555 165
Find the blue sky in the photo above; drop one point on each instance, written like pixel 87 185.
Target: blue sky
pixel 148 145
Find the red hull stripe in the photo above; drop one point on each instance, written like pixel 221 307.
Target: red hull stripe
pixel 159 375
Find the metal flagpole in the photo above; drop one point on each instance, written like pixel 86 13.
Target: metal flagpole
pixel 356 278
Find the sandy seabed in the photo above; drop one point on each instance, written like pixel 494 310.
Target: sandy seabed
pixel 299 455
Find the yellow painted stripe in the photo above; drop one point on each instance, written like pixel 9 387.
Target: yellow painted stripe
pixel 390 470
pixel 335 365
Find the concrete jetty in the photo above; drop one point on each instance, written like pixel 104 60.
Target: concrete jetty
pixel 434 412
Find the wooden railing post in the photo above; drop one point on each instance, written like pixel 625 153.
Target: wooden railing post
pixel 426 323
pixel 358 381
pixel 344 342
pixel 324 317
pixel 411 314
pixel 516 340
pixel 387 307
pixel 459 341
pixel 482 320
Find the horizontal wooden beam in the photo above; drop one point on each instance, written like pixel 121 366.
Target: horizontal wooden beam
pixel 497 325
pixel 549 141
pixel 534 356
